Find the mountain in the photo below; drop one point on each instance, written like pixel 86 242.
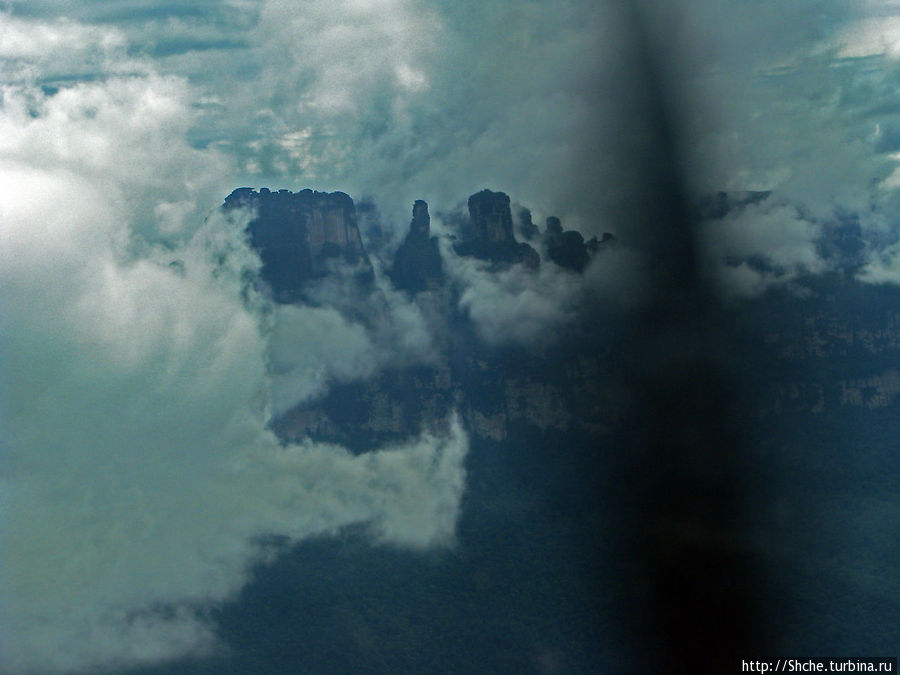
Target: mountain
pixel 489 232
pixel 498 391
pixel 826 352
pixel 732 463
pixel 300 236
pixel 417 263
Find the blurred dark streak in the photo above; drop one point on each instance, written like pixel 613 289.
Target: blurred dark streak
pixel 689 588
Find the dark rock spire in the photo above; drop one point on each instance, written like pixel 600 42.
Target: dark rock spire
pixel 417 263
pixel 490 233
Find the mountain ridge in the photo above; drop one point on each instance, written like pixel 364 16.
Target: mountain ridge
pixel 568 386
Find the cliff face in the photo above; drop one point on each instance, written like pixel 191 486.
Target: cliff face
pixel 832 352
pixel 490 236
pixel 568 248
pixel 490 232
pixel 300 235
pixel 499 394
pixel 490 217
pixel 417 263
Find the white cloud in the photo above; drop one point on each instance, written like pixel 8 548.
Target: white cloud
pixel 883 267
pixel 773 233
pixel 34 41
pixel 136 471
pixel 874 31
pixel 533 308
pixel 345 51
pixel 514 305
pixel 312 347
pixel 409 99
pixel 60 48
pixel 125 136
pixel 412 99
pixel 768 100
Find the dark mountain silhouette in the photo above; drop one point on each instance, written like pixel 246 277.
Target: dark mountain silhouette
pixel 489 234
pixel 417 263
pixel 845 326
pixel 300 236
pixel 724 440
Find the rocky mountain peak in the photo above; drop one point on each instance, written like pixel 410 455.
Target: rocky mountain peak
pixel 421 221
pixel 527 228
pixel 565 247
pixel 568 249
pixel 553 226
pixel 490 232
pixel 490 216
pixel 299 235
pixel 417 263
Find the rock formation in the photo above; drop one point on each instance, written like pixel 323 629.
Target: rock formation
pixel 300 236
pixel 417 263
pixel 568 248
pixel 502 392
pixel 489 235
pixel 527 228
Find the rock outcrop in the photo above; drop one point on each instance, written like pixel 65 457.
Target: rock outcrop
pixel 301 236
pixel 490 217
pixel 831 352
pixel 489 235
pixel 417 263
pixel 568 248
pixel 527 229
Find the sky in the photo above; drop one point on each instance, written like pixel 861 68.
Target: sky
pixel 134 416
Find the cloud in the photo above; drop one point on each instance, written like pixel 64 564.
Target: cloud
pixel 411 99
pixel 138 476
pixel 799 98
pixel 516 305
pixel 532 101
pixel 400 100
pixel 345 332
pixel 883 267
pixel 312 347
pixel 759 245
pixel 532 308
pixel 59 49
pixel 124 135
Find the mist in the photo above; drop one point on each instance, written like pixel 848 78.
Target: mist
pixel 139 479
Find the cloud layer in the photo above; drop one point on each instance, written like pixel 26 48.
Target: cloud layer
pixel 139 479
